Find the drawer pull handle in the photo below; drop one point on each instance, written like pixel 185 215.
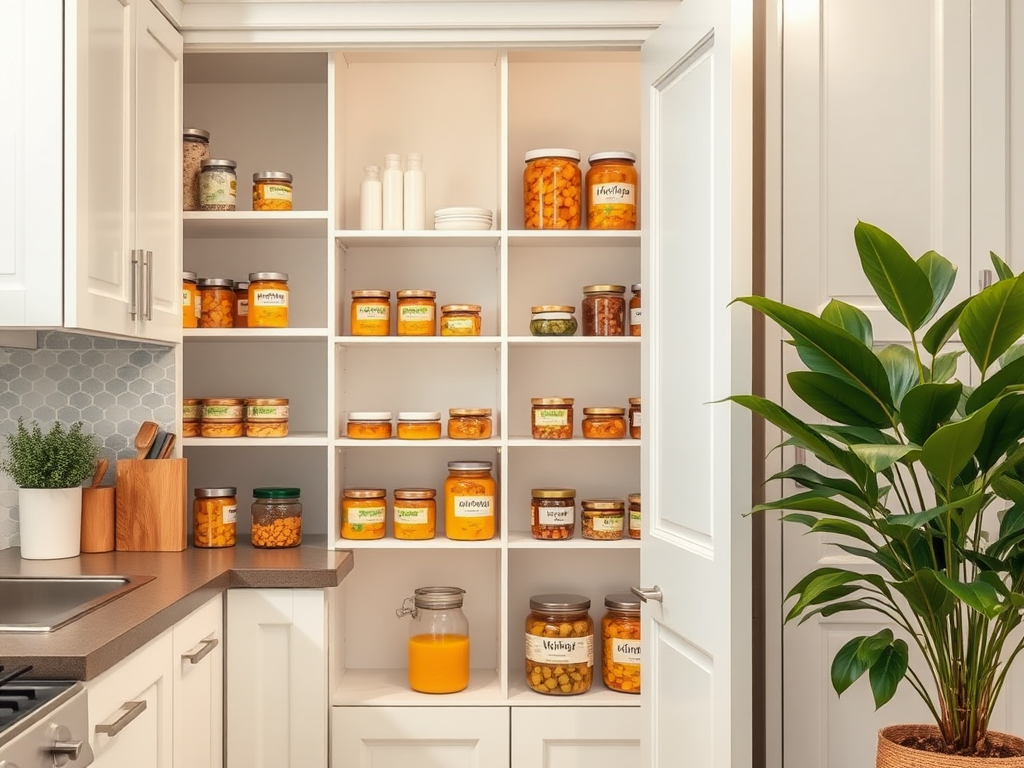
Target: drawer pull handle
pixel 132 710
pixel 198 655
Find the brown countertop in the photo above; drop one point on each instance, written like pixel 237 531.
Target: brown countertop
pixel 182 582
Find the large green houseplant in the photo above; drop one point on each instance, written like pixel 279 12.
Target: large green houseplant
pixel 922 477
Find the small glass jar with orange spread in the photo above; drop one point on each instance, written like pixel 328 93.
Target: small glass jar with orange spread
pixel 368 425
pixel 419 425
pixel 620 643
pixel 635 517
pixel 469 423
pixel 604 423
pixel 241 303
pixel 460 320
pixel 551 418
pixel 268 300
pixel 370 314
pixel 266 417
pixel 191 417
pixel 552 189
pixel 190 307
pixel 611 190
pixel 470 501
pixel 416 313
pixel 438 640
pixel 363 513
pixel 271 191
pixel 415 513
pixel 216 303
pixel 214 517
pixel 634 418
pixel 222 417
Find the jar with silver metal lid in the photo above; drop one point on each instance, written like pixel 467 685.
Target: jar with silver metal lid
pixel 271 191
pixel 218 185
pixel 438 640
pixel 214 515
pixel 620 646
pixel 559 644
pixel 189 300
pixel 195 148
pixel 268 300
pixel 216 302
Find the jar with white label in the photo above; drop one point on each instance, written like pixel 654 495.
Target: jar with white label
pixel 553 513
pixel 636 313
pixel 551 418
pixel 268 300
pixel 214 516
pixel 363 511
pixel 634 418
pixel 559 644
pixel 218 185
pixel 470 497
pixel 602 519
pixel 415 513
pixel 620 641
pixel 611 190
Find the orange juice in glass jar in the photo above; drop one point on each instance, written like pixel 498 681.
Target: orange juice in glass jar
pixel 438 640
pixel 469 501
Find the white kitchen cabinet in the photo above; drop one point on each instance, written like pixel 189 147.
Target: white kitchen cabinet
pixel 198 656
pixel 605 737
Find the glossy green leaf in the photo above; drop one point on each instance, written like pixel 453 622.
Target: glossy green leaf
pixel 799 517
pixel 1009 375
pixel 979 595
pixel 1008 487
pixel 842 528
pixel 917 519
pixel 850 318
pixel 992 321
pixel 944 366
pixel 1003 430
pixel 1002 268
pixel 899 282
pixel 837 400
pixel 927 406
pixel 791 425
pixel 813 501
pixel 942 330
pixel 820 585
pixel 941 274
pixel 847 666
pixel 926 596
pixel 900 368
pixel 843 606
pixel 801 585
pixel 888 671
pixel 854 435
pixel 879 557
pixel 880 457
pixel 951 446
pixel 809 478
pixel 1013 353
pixel 870 648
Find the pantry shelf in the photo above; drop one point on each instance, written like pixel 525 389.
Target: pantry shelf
pixel 392 341
pixel 254 334
pixel 522 540
pixel 427 238
pixel 576 442
pixel 294 439
pixel 394 442
pixel 255 224
pixel 390 687
pixel 438 542
pixel 544 238
pixel 574 341
pixel 520 695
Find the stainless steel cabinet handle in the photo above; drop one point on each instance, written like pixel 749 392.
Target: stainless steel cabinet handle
pixel 651 594
pixel 203 651
pixel 133 292
pixel 132 710
pixel 147 270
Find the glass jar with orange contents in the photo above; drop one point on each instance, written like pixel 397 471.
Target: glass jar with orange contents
pixel 469 501
pixel 416 313
pixel 363 512
pixel 460 320
pixel 559 644
pixel 552 189
pixel 241 303
pixel 276 518
pixel 190 306
pixel 214 515
pixel 438 640
pixel 611 190
pixel 368 425
pixel 620 643
pixel 419 425
pixel 216 303
pixel 604 423
pixel 268 300
pixel 469 423
pixel 370 314
pixel 415 513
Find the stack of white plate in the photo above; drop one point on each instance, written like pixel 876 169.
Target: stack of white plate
pixel 462 218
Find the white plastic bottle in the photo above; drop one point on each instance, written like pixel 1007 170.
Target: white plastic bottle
pixel 370 199
pixel 391 185
pixel 415 191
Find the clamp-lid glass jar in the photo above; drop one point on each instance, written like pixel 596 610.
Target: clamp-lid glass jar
pixel 611 190
pixel 602 519
pixel 552 189
pixel 370 314
pixel 553 320
pixel 551 418
pixel 635 517
pixel 604 310
pixel 363 513
pixel 553 513
pixel 635 311
pixel 241 303
pixel 271 191
pixel 268 300
pixel 218 185
pixel 415 513
pixel 438 640
pixel 276 518
pixel 460 320
pixel 189 300
pixel 469 501
pixel 368 425
pixel 620 641
pixel 419 425
pixel 416 316
pixel 195 147
pixel 469 423
pixel 559 644
pixel 604 423
pixel 214 517
pixel 634 418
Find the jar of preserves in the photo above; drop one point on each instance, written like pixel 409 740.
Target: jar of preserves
pixel 611 190
pixel 460 320
pixel 416 313
pixel 191 417
pixel 551 418
pixel 266 417
pixel 363 512
pixel 553 320
pixel 603 518
pixel 469 501
pixel 271 191
pixel 553 513
pixel 217 303
pixel 276 517
pixel 419 425
pixel 634 418
pixel 218 185
pixel 604 423
pixel 415 514
pixel 469 423
pixel 438 640
pixel 604 310
pixel 268 300
pixel 559 644
pixel 620 643
pixel 369 425
pixel 214 514
pixel 635 313
pixel 222 417
pixel 552 189
pixel 189 300
pixel 370 314
pixel 241 303
pixel 634 515
pixel 195 148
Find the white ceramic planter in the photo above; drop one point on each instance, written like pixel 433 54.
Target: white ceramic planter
pixel 50 522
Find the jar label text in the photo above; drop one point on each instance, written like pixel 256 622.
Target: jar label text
pixel 635 316
pixel 267 412
pixel 474 506
pixel 276 192
pixel 560 650
pixel 612 193
pixel 415 313
pixel 608 523
pixel 228 412
pixel 626 652
pixel 366 515
pixel 372 311
pixel 242 307
pixel 551 417
pixel 459 323
pixel 229 514
pixel 411 516
pixel 270 297
pixel 186 298
pixel 556 515
pixel 634 520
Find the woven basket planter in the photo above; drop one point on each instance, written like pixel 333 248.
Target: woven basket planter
pixel 892 755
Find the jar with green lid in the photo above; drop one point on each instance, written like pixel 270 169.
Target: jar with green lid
pixel 559 644
pixel 553 513
pixel 276 518
pixel 553 320
pixel 214 516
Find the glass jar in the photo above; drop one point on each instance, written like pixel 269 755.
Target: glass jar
pixel 635 313
pixel 469 501
pixel 271 191
pixel 195 148
pixel 635 518
pixel 438 640
pixel 469 423
pixel 268 300
pixel 553 320
pixel 189 300
pixel 415 514
pixel 551 418
pixel 214 515
pixel 241 303
pixel 553 513
pixel 368 425
pixel 416 313
pixel 216 303
pixel 611 190
pixel 604 423
pixel 191 417
pixel 460 320
pixel 218 185
pixel 634 418
pixel 370 314
pixel 552 189
pixel 266 417
pixel 602 519
pixel 419 425
pixel 276 517
pixel 363 512
pixel 604 310
pixel 620 643
pixel 559 644
pixel 222 417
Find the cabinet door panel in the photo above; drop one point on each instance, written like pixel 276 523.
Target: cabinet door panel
pixel 199 688
pixel 568 737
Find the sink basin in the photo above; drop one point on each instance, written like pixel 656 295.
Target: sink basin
pixel 43 604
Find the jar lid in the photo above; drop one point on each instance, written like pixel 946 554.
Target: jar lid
pixel 416 293
pixel 214 163
pixel 281 277
pixel 369 416
pixel 469 411
pixel 371 294
pixel 415 493
pixel 615 154
pixel 266 401
pixel 634 498
pixel 190 276
pixel 272 176
pixel 552 400
pixel 622 601
pixel 533 154
pixel 559 602
pixel 275 493
pixel 604 289
pixel 552 308
pixel 604 504
pixel 474 465
pixel 604 411
pixel 216 282
pixel 635 287
pixel 634 401
pixel 196 133
pixel 241 285
pixel 460 308
pixel 213 493
pixel 438 598
pixel 364 493
pixel 191 401
pixel 222 401
pixel 551 316
pixel 553 493
pixel 419 415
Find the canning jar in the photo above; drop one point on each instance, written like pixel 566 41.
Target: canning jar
pixel 559 644
pixel 460 320
pixel 634 418
pixel 241 303
pixel 268 300
pixel 271 191
pixel 191 417
pixel 218 185
pixel 368 425
pixel 266 417
pixel 419 425
pixel 222 417
pixel 195 148
pixel 214 513
pixel 438 640
pixel 634 515
pixel 363 512
pixel 604 423
pixel 620 643
pixel 635 313
pixel 416 313
pixel 190 307
pixel 611 190
pixel 276 517
pixel 370 314
pixel 553 513
pixel 469 423
pixel 469 501
pixel 604 310
pixel 415 513
pixel 552 189
pixel 602 519
pixel 553 320
pixel 216 303
pixel 551 418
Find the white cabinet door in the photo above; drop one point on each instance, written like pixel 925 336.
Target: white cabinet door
pixel 568 737
pixel 198 658
pixel 697 139
pixel 398 737
pixel 276 678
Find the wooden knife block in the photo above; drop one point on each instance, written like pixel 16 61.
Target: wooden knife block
pixel 152 511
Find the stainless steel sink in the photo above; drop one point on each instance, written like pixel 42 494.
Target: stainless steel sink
pixel 43 604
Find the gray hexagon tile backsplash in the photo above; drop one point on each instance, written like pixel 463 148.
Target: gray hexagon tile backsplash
pixel 109 385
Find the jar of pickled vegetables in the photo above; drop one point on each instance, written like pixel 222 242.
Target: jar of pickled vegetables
pixel 552 189
pixel 222 417
pixel 271 191
pixel 460 320
pixel 620 643
pixel 604 423
pixel 635 311
pixel 634 418
pixel 553 320
pixel 419 425
pixel 241 303
pixel 371 313
pixel 268 300
pixel 611 190
pixel 604 310
pixel 559 644
pixel 363 512
pixel 216 303
pixel 438 640
pixel 634 515
pixel 416 315
pixel 469 423
pixel 551 418
pixel 276 518
pixel 266 417
pixel 553 513
pixel 368 425
pixel 415 513
pixel 190 307
pixel 191 417
pixel 214 515
pixel 469 501
pixel 602 519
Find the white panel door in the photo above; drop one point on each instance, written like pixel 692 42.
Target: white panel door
pixel 697 137
pixel 570 737
pixel 199 687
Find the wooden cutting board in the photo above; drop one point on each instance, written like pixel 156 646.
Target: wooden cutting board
pixel 152 511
